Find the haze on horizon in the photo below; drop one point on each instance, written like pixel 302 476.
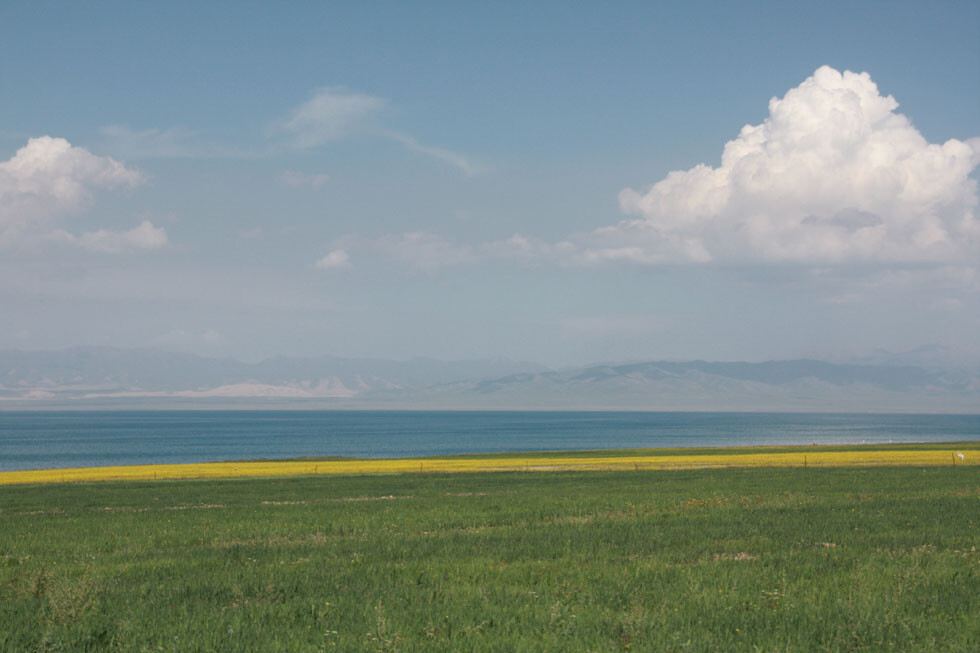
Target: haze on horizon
pixel 558 184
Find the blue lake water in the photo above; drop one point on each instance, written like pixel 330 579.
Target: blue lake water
pixel 46 440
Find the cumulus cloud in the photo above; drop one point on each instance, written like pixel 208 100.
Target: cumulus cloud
pixel 294 179
pixel 48 179
pixel 833 174
pixel 338 258
pixel 833 177
pixel 327 116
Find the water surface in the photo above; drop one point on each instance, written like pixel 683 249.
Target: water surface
pixel 47 440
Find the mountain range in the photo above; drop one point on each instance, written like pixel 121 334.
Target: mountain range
pixel 102 377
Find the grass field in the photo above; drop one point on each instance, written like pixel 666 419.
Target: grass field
pixel 774 559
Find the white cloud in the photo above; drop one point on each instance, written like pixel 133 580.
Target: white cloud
pixel 832 177
pixel 145 236
pixel 425 251
pixel 833 174
pixel 338 258
pixel 446 156
pixel 327 116
pixel 49 178
pixel 331 114
pixel 294 179
pixel 429 252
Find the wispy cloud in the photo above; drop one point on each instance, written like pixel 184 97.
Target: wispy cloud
pixel 425 251
pixel 335 259
pixel 333 113
pixel 294 179
pixel 430 252
pixel 446 156
pixel 328 115
pixel 170 143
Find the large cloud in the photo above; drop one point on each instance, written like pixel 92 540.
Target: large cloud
pixel 47 179
pixel 833 174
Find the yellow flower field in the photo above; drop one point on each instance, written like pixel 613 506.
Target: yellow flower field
pixel 516 462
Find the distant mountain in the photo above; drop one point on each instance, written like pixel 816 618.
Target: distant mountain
pixel 795 385
pixel 100 373
pixel 90 377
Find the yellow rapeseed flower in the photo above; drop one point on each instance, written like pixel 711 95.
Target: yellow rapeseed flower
pixel 528 462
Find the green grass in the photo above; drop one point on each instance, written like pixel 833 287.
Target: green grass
pixel 728 560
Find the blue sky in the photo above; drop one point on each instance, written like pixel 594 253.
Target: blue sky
pixel 466 181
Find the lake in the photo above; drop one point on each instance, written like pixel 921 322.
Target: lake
pixel 56 439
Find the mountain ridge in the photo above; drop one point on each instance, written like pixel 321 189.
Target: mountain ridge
pixel 88 376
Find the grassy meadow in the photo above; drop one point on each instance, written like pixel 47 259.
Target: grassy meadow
pixel 728 559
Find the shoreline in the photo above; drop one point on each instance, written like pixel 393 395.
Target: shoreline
pixel 800 456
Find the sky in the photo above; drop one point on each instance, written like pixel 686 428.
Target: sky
pixel 562 183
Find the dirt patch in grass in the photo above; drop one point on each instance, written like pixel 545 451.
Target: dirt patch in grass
pixel 383 498
pixel 199 506
pixel 741 555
